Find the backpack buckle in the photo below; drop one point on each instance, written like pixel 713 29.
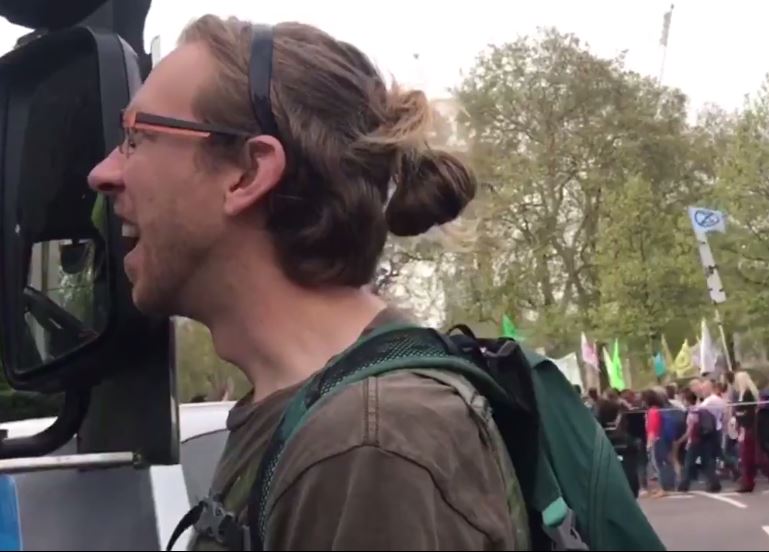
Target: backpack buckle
pixel 217 523
pixel 565 535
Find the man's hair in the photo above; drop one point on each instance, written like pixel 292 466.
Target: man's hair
pixel 357 160
pixel 611 394
pixel 689 396
pixel 651 398
pixel 671 390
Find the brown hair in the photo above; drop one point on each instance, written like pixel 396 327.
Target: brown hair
pixel 348 140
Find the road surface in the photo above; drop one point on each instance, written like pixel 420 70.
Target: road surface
pixel 699 521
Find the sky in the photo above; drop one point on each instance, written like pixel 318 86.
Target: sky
pixel 718 51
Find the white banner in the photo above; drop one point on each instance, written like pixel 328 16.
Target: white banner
pixel 569 366
pixel 707 220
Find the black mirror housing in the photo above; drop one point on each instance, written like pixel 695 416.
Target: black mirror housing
pixel 53 228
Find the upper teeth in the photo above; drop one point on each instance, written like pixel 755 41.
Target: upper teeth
pixel 130 231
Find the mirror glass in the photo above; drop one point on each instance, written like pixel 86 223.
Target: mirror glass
pixel 63 298
pixel 61 308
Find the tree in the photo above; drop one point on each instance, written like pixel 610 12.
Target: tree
pixel 554 133
pixel 408 271
pixel 743 194
pixel 649 276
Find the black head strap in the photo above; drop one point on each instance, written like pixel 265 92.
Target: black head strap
pixel 260 77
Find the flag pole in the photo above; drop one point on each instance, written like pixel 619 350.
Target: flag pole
pixel 664 41
pixel 720 323
pixel 705 221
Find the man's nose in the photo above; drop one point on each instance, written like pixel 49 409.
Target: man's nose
pixel 107 176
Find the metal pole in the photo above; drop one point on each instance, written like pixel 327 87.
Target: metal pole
pixel 664 40
pixel 723 337
pixel 69 462
pixel 664 43
pixel 662 65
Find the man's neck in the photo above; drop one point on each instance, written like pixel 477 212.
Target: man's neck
pixel 282 336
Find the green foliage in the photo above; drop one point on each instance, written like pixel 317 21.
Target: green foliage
pixel 586 171
pixel 650 277
pixel 200 371
pixel 743 193
pixel 21 406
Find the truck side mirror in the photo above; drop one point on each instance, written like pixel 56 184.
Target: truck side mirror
pixel 64 298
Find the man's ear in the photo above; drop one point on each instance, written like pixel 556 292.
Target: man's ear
pixel 265 163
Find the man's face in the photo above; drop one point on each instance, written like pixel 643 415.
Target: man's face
pixel 164 195
pixel 696 387
pixel 707 388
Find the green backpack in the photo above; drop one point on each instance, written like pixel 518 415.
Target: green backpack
pixel 576 492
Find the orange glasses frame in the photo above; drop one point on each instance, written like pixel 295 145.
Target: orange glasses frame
pixel 137 120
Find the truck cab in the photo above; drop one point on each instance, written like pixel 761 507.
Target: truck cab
pixel 121 461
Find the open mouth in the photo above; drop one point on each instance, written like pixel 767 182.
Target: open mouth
pixel 130 234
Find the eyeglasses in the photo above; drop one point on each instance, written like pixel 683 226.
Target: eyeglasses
pixel 259 79
pixel 138 121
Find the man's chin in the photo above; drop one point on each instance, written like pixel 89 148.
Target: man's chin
pixel 151 303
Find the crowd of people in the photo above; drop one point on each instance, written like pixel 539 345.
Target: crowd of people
pixel 667 437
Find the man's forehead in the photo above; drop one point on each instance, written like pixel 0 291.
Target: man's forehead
pixel 174 82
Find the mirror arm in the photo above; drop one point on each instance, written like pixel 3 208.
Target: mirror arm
pixel 57 434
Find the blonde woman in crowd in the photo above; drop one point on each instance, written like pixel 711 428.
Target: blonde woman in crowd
pixel 745 413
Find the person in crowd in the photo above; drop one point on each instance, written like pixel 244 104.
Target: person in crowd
pixel 695 385
pixel 628 395
pixel 636 430
pixel 591 400
pixel 613 415
pixel 673 422
pixel 672 392
pixel 717 406
pixel 659 447
pixel 732 447
pixel 725 390
pixel 662 394
pixel 745 414
pixel 608 409
pixel 700 443
pixel 731 391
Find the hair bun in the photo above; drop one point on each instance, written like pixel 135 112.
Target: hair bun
pixel 432 188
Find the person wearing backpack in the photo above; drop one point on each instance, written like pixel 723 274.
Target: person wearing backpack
pixel 701 442
pixel 659 441
pixel 261 171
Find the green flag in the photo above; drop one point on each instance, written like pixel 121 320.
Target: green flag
pixel 619 374
pixel 660 366
pixel 508 328
pixel 609 364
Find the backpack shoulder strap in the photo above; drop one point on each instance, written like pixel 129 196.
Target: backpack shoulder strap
pixel 481 410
